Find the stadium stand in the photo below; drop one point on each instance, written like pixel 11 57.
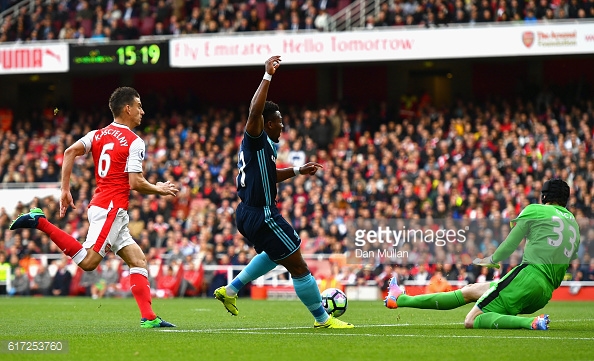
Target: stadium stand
pixel 470 161
pixel 31 20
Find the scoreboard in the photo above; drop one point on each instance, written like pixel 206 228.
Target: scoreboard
pixel 132 55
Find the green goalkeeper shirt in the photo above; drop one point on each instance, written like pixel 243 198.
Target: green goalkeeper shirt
pixel 552 240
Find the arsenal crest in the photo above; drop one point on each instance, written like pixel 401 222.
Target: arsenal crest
pixel 528 38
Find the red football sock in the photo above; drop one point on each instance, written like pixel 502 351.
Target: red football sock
pixel 141 290
pixel 66 242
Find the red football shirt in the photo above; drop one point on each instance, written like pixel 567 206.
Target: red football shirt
pixel 117 151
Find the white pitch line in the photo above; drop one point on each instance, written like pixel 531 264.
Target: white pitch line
pixel 385 335
pixel 270 331
pixel 307 327
pixel 358 326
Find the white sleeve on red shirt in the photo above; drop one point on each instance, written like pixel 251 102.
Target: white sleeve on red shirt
pixel 135 157
pixel 87 140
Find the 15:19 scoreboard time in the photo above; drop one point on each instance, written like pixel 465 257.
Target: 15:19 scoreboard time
pixel 119 56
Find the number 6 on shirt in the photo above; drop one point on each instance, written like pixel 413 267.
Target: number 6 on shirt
pixel 104 160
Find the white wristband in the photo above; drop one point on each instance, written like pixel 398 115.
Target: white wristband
pixel 267 76
pixel 296 170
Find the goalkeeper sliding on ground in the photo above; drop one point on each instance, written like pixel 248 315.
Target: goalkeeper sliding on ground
pixel 552 241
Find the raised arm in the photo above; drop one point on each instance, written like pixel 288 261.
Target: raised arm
pixel 255 122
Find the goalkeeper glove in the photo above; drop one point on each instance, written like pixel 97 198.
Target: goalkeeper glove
pixel 485 262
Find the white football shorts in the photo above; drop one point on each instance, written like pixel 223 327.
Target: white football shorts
pixel 108 230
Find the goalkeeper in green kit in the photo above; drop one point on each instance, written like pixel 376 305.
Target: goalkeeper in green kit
pixel 552 242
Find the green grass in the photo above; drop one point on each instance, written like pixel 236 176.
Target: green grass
pixel 108 329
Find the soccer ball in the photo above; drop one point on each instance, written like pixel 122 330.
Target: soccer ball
pixel 334 302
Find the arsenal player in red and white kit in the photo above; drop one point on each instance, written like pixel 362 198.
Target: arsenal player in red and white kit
pixel 118 154
pixel 117 151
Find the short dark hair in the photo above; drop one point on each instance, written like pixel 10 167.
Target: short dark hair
pixel 270 109
pixel 120 98
pixel 555 191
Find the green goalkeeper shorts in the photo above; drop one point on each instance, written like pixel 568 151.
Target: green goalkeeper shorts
pixel 523 290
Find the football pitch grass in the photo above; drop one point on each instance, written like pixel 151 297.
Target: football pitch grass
pixel 108 329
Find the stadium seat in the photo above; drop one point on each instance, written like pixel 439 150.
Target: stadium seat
pixel 57 24
pixel 72 267
pixel 123 286
pixel 52 269
pixel 343 4
pixel 87 25
pixel 154 269
pixel 194 278
pixel 33 268
pixel 168 286
pixel 135 22
pixel 319 269
pixel 75 288
pixel 147 25
pixel 261 7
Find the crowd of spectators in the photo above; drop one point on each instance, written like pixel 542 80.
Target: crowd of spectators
pixel 473 161
pixel 130 19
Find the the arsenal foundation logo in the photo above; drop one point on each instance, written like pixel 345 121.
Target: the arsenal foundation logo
pixel 528 38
